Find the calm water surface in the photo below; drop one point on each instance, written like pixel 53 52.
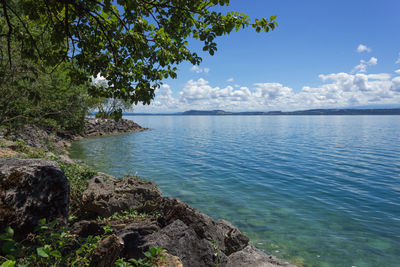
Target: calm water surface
pixel 314 190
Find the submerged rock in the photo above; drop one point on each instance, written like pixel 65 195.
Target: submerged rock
pixel 251 256
pixel 30 190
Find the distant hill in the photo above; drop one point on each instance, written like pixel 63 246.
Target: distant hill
pixel 394 111
pixel 218 112
pixel 207 112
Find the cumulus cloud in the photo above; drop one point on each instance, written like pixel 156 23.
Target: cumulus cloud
pixel 99 81
pixel 336 90
pixel 362 67
pixel 398 60
pixel 396 84
pixel 363 48
pixel 197 69
pixel 230 80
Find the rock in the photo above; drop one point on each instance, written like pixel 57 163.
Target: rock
pixel 228 238
pixel 168 260
pixel 251 256
pixel 66 159
pixel 86 228
pixel 96 126
pixel 234 240
pixel 107 252
pixel 106 195
pixel 180 240
pixel 7 153
pixel 31 189
pixel 133 236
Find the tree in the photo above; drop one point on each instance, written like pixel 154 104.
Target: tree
pixel 109 108
pixel 134 44
pixel 35 94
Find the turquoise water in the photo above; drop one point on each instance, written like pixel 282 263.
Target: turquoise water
pixel 314 190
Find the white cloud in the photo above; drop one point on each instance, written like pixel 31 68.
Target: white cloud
pixel 398 60
pixel 336 90
pixel 396 84
pixel 197 69
pixel 362 67
pixel 100 81
pixel 230 80
pixel 363 48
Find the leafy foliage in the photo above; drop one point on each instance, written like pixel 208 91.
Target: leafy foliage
pixel 134 44
pixel 77 175
pixel 54 245
pixel 126 216
pixel 50 245
pixel 109 108
pixel 149 259
pixel 33 93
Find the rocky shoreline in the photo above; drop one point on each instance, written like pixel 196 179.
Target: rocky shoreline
pixel 100 127
pixel 32 189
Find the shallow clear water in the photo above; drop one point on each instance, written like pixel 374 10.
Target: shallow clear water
pixel 314 190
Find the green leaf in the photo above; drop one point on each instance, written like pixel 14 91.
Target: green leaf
pixel 273 17
pixel 8 263
pixel 9 231
pixel 56 254
pixel 153 251
pixel 42 253
pixel 8 247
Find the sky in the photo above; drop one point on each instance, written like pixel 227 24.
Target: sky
pixel 323 54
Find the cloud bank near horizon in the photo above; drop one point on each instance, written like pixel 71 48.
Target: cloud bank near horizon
pixel 336 90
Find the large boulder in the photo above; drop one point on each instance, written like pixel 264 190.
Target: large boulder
pixel 227 237
pixel 106 195
pixel 182 241
pixel 31 189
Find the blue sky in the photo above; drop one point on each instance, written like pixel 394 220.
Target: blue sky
pixel 324 54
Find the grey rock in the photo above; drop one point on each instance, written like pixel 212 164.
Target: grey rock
pixel 182 241
pixel 251 256
pixel 107 252
pixel 31 189
pixel 96 126
pixel 86 228
pixel 228 238
pixel 106 195
pixel 133 236
pixel 234 240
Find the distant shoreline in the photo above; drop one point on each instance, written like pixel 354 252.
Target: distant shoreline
pixel 314 112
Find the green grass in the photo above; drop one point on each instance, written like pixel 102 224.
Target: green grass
pixel 126 215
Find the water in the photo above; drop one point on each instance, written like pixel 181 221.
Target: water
pixel 313 190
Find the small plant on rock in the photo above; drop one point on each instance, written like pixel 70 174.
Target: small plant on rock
pixel 126 215
pixel 150 259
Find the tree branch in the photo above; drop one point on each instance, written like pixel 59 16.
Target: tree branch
pixel 10 29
